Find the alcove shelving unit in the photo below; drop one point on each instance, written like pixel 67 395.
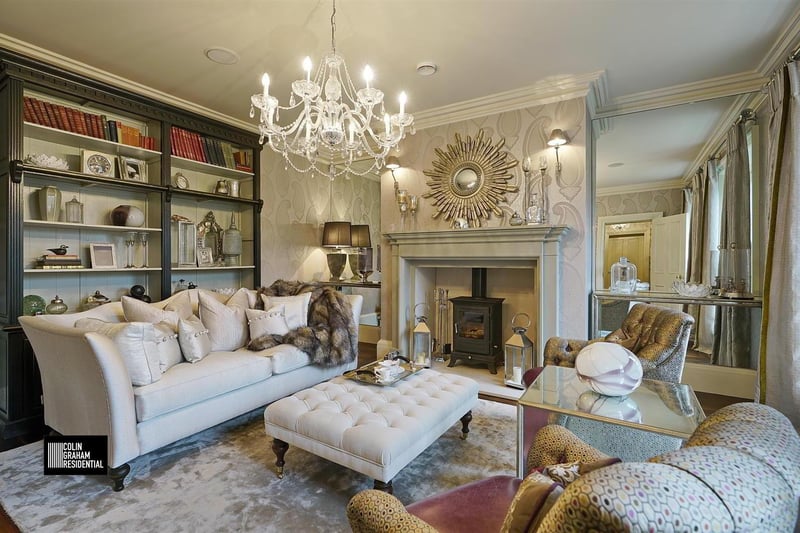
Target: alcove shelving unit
pixel 106 147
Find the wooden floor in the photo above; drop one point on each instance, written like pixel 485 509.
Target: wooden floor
pixel 367 353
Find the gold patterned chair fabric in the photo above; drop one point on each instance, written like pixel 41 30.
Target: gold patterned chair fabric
pixel 740 471
pixel 658 336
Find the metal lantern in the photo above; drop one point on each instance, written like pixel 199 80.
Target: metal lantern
pixel 518 353
pixel 422 342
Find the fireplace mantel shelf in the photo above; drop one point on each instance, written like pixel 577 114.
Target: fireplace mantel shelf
pixel 536 233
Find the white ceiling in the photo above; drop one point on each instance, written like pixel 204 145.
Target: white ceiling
pixel 649 50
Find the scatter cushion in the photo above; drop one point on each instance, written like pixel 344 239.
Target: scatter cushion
pixel 226 322
pixel 566 473
pixel 169 349
pixel 535 496
pixel 271 322
pixel 138 311
pixel 193 338
pixel 295 307
pixel 136 342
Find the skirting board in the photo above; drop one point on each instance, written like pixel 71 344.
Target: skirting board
pixel 727 381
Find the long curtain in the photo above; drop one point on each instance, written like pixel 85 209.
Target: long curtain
pixel 733 328
pixel 779 365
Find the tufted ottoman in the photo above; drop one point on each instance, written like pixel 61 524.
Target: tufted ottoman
pixel 371 429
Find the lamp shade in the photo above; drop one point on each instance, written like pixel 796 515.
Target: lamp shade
pixel 336 235
pixel 392 162
pixel 557 138
pixel 359 236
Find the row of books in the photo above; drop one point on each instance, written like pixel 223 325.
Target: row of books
pixel 74 120
pixel 59 261
pixel 191 145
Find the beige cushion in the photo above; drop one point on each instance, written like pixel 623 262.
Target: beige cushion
pixel 285 358
pixel 536 495
pixel 169 349
pixel 295 307
pixel 226 322
pixel 271 322
pixel 138 311
pixel 193 338
pixel 136 343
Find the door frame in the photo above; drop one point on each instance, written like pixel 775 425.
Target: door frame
pixel 601 238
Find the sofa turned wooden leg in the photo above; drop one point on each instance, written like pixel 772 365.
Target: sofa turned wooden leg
pixel 384 486
pixel 465 420
pixel 279 447
pixel 118 474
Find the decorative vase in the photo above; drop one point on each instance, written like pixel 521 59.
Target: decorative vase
pixel 232 244
pixel 623 276
pixel 49 203
pixel 127 215
pixel 56 306
pixel 33 304
pixel 73 211
pixel 222 187
pixel 609 368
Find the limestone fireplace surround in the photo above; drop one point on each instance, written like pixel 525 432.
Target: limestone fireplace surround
pixel 416 256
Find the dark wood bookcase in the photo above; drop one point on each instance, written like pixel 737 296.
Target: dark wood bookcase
pixel 47 110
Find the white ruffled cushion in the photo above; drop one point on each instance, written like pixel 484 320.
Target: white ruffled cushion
pixel 136 342
pixel 138 311
pixel 271 322
pixel 226 322
pixel 295 308
pixel 193 338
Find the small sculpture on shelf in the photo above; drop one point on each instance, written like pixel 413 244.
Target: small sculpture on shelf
pixel 61 250
pixel 138 292
pixel 56 306
pixel 96 300
pixel 209 235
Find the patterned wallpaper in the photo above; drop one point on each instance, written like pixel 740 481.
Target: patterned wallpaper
pixel 295 208
pixel 665 201
pixel 525 132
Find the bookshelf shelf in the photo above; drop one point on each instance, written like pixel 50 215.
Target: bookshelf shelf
pixel 198 166
pixel 61 137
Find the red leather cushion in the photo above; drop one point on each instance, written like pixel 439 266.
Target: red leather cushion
pixel 477 506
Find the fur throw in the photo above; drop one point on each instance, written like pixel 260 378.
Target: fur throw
pixel 331 337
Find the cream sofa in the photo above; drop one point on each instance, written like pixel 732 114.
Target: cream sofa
pixel 88 390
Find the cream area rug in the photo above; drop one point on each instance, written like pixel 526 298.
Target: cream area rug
pixel 223 479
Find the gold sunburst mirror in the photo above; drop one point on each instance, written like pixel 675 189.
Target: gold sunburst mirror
pixel 470 178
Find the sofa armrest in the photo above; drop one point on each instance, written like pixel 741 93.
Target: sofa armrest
pixel 559 351
pixel 86 387
pixel 373 511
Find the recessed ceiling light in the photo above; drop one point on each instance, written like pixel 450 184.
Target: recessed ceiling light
pixel 223 56
pixel 427 68
pixel 615 165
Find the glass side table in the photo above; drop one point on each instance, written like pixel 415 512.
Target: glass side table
pixel 660 407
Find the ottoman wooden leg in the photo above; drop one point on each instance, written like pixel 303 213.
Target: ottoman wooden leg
pixel 465 420
pixel 384 486
pixel 279 447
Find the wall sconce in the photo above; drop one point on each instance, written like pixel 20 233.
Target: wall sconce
pixel 336 235
pixel 405 202
pixel 557 139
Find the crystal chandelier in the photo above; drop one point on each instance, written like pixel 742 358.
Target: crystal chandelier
pixel 336 123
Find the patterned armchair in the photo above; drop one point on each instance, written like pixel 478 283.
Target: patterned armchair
pixel 740 471
pixel 657 335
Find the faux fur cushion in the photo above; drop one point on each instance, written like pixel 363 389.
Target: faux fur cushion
pixel 226 322
pixel 272 322
pixel 136 343
pixel 138 311
pixel 331 337
pixel 193 338
pixel 295 308
pixel 535 496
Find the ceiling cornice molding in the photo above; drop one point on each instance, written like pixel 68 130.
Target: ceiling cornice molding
pixel 686 93
pixel 718 135
pixel 641 187
pixel 89 71
pixel 545 92
pixel 783 47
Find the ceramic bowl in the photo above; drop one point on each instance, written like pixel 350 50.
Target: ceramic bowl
pixel 609 369
pixel 693 290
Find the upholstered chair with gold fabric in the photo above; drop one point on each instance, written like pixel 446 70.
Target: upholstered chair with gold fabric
pixel 740 471
pixel 657 335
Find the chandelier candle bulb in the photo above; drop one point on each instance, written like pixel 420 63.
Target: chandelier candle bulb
pixel 307 67
pixel 367 75
pixel 403 98
pixel 387 123
pixel 265 82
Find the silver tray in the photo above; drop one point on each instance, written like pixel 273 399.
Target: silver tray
pixel 366 374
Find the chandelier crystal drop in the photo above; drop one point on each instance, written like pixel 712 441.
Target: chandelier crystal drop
pixel 336 124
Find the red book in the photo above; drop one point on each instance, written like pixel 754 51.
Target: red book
pixel 185 143
pixel 51 115
pixel 44 120
pixel 99 128
pixel 173 147
pixel 63 118
pixel 82 126
pixel 29 113
pixel 197 144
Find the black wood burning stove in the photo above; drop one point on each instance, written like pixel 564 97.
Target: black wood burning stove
pixel 478 325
